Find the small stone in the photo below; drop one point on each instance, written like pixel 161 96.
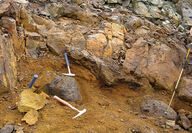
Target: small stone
pixel 122 120
pixel 170 123
pixel 30 100
pixel 177 127
pixel 162 126
pixel 119 110
pixel 31 117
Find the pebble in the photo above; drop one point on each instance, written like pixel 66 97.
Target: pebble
pixel 122 120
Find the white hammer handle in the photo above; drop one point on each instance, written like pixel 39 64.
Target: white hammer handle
pixel 65 102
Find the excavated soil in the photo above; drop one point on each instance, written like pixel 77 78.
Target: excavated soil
pixel 109 109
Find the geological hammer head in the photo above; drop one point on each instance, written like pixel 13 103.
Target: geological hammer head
pixel 80 113
pixel 69 74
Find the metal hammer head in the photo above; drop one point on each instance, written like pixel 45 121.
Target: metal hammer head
pixel 80 113
pixel 69 74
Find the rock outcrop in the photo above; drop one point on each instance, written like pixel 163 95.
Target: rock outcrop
pixel 113 43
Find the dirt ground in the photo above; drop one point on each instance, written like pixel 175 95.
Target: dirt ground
pixel 109 109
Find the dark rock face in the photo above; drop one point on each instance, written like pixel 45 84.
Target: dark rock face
pixel 65 87
pixel 157 108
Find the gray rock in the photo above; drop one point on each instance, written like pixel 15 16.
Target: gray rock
pixel 141 9
pixel 158 3
pixel 157 108
pixel 187 13
pixel 7 129
pixel 155 12
pixel 133 22
pixel 113 1
pixel 125 3
pixel 65 87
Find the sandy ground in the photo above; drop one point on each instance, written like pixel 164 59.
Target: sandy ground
pixel 109 109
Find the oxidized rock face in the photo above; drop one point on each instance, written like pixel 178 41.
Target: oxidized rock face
pixel 147 62
pixel 96 43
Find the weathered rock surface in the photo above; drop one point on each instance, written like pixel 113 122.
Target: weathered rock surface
pixel 146 61
pixel 187 13
pixel 31 117
pixel 30 100
pixel 185 89
pixel 8 71
pixel 184 121
pixel 157 108
pixel 65 87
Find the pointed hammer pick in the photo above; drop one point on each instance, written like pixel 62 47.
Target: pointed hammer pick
pixel 69 105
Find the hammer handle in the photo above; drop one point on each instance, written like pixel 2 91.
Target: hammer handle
pixel 65 103
pixel 66 58
pixel 33 80
pixel 61 100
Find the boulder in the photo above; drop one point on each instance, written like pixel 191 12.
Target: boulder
pixel 64 87
pixel 30 100
pixel 157 108
pixel 185 89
